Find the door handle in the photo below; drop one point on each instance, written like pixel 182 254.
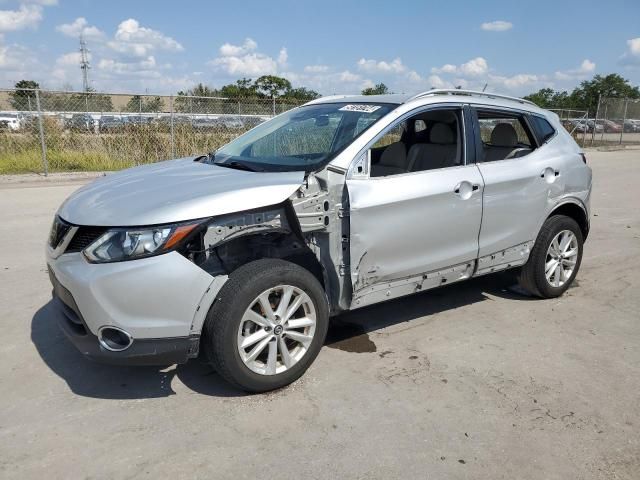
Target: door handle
pixel 465 189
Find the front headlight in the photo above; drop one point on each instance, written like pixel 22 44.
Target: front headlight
pixel 120 244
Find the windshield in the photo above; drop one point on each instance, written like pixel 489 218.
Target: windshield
pixel 304 138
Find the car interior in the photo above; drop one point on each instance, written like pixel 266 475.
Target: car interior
pixel 504 137
pixel 426 141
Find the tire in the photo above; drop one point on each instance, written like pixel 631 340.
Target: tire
pixel 533 276
pixel 223 335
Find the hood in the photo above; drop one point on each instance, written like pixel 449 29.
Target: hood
pixel 175 191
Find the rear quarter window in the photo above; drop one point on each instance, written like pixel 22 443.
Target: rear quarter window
pixel 543 128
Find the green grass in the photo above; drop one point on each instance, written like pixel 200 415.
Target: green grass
pixel 74 151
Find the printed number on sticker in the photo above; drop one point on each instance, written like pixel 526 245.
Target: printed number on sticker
pixel 360 108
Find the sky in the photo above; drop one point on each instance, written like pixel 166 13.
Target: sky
pixel 141 46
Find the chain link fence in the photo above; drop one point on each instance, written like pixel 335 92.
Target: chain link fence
pixel 575 121
pixel 617 121
pixel 42 131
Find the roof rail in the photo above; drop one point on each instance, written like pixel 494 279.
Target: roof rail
pixel 456 91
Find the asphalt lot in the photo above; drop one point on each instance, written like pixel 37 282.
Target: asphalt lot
pixel 468 381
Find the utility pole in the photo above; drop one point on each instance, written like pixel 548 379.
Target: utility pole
pixel 84 64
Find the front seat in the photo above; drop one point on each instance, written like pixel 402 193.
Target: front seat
pixel 504 144
pixel 392 161
pixel 441 152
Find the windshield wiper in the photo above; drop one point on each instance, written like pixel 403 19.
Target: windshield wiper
pixel 238 166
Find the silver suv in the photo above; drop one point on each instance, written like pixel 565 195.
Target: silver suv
pixel 347 201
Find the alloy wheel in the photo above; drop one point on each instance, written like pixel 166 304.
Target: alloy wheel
pixel 276 330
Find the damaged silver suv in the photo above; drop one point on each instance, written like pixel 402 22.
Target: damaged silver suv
pixel 245 253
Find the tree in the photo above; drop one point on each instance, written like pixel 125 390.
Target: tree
pixel 585 96
pixel 272 86
pixel 24 99
pixel 612 85
pixel 243 88
pixel 378 89
pixel 301 93
pixel 200 90
pixel 186 103
pixel 139 104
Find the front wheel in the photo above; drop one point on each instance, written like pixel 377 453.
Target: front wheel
pixel 267 325
pixel 555 258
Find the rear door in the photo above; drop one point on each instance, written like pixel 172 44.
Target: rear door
pixel 518 189
pixel 414 221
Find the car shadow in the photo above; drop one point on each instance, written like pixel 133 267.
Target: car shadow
pixel 95 380
pixel 347 332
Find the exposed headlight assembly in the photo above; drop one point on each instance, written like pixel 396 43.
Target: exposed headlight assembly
pixel 119 244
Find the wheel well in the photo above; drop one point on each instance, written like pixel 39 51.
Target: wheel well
pixel 231 255
pixel 576 212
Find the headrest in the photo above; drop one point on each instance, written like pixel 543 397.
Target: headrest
pixel 504 135
pixel 441 134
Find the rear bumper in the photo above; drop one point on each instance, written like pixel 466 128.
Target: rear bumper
pixel 147 351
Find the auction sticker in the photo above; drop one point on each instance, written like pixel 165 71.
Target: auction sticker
pixel 360 108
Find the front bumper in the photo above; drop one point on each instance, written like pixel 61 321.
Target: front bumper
pixel 161 302
pixel 148 351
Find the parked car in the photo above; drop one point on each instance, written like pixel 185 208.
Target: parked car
pixel 81 122
pixel 610 126
pixel 110 123
pixel 345 202
pixel 631 126
pixel 598 127
pixel 10 121
pixel 578 126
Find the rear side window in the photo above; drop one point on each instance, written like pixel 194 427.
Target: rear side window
pixel 504 136
pixel 544 129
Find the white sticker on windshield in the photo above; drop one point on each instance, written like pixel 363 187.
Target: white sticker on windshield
pixel 360 108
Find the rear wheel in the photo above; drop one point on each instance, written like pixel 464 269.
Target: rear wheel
pixel 267 325
pixel 555 258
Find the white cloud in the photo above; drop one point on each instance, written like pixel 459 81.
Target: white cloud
pixel 316 68
pixel 78 27
pixel 16 63
pixel 132 39
pixel 27 16
pixel 329 82
pixel 144 67
pixel 446 68
pixel 229 50
pixel 435 81
pixel 632 55
pixel 254 64
pixel 474 68
pixel 70 59
pixel 374 66
pixel 46 3
pixel 413 76
pixel 497 26
pixel 514 82
pixel 246 60
pixel 349 77
pixel 283 56
pixel 586 68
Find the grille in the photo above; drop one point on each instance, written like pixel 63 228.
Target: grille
pixel 84 237
pixel 58 230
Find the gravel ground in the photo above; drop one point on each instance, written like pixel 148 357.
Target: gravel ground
pixel 468 381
